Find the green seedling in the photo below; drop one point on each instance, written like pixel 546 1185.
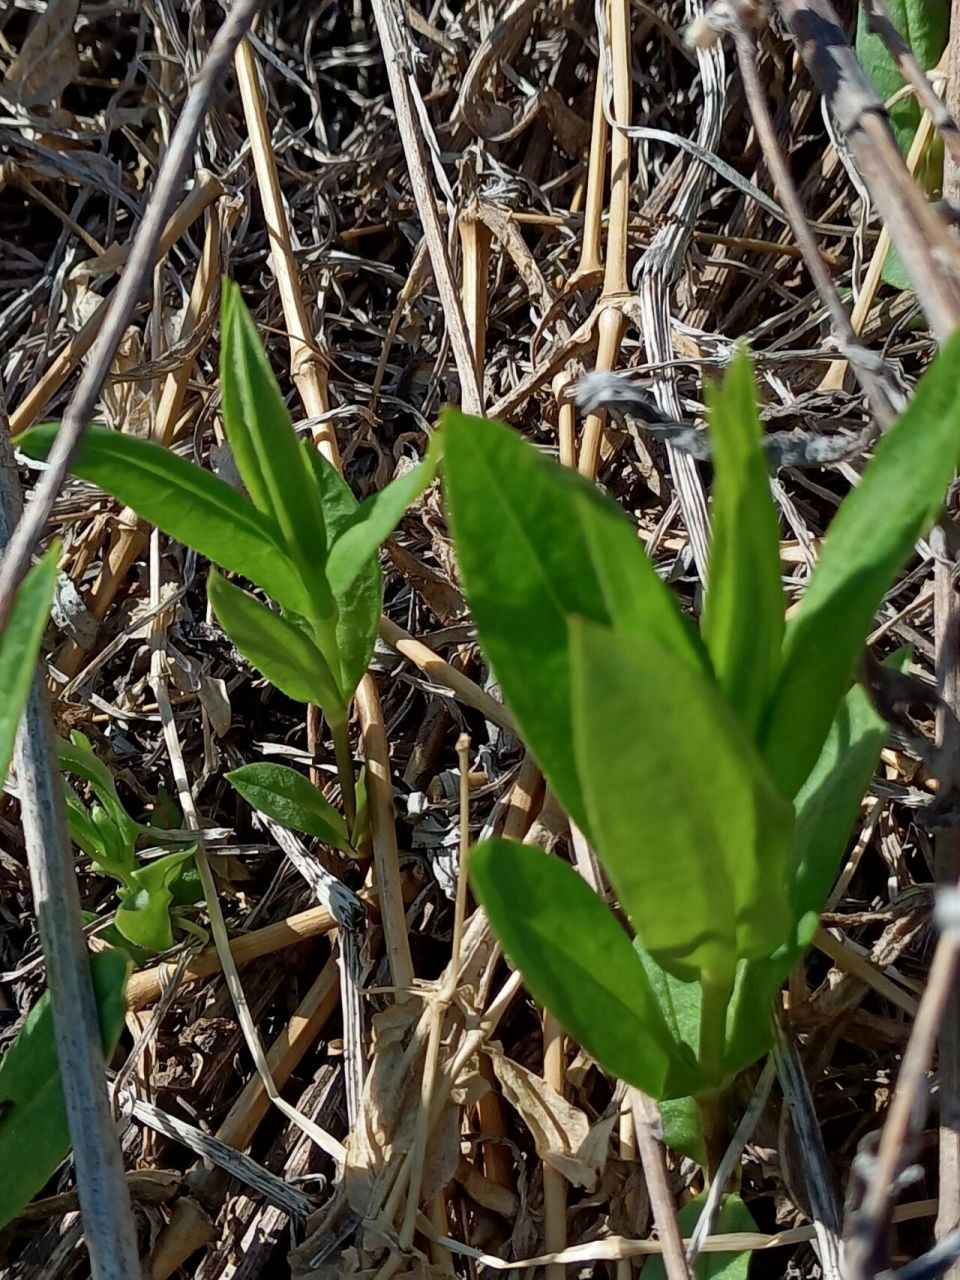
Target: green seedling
pixel 150 891
pixel 299 535
pixel 718 771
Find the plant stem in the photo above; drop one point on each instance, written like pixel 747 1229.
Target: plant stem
pixel 348 784
pixel 712 1110
pixel 711 1104
pixel 713 1024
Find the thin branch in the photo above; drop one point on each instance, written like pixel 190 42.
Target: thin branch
pixel 395 57
pixel 869 374
pixel 865 1246
pixel 929 256
pixel 878 21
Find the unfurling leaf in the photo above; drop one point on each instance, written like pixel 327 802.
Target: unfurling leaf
pixel 143 915
pixel 743 613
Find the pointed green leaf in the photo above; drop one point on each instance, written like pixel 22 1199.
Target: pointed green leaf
pixel 827 807
pixel 578 962
pixel 20 646
pixel 82 831
pixel 278 649
pixel 359 604
pixel 34 1137
pixel 744 609
pixel 358 541
pixel 185 502
pixel 869 540
pixel 265 446
pixel 537 544
pixel 684 816
pixel 680 1004
pixel 734 1217
pixel 78 757
pixel 285 795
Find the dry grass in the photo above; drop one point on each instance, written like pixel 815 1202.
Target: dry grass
pixel 425 207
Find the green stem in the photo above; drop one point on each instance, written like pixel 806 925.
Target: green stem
pixel 711 1103
pixel 348 782
pixel 716 989
pixel 712 1110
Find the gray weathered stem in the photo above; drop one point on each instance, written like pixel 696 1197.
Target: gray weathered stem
pixel 104 1199
pixel 929 256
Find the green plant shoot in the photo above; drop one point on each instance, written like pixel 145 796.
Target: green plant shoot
pixel 299 535
pixel 716 775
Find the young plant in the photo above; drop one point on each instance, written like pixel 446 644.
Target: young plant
pixel 149 891
pixel 716 772
pixel 299 535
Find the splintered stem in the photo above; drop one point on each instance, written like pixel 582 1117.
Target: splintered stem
pixel 348 782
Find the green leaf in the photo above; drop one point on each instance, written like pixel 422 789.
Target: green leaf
pixel 682 1130
pixel 279 649
pixel 78 757
pixel 870 538
pixel 186 887
pixel 680 1003
pixel 536 545
pixel 375 519
pixel 360 604
pixel 266 449
pixel 734 1217
pixel 287 796
pixel 684 816
pixel 924 24
pixel 360 831
pixel 827 807
pixel 20 646
pixel 34 1137
pixel 185 502
pixel 143 915
pixel 679 1000
pixel 82 831
pixel 744 609
pixel 578 962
